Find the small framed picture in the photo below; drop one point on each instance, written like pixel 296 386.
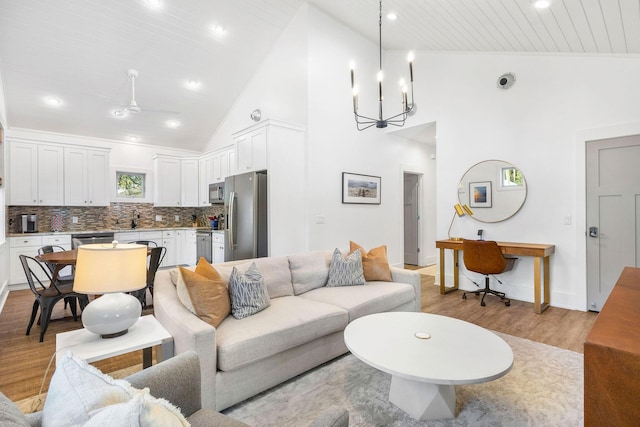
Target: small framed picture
pixel 480 194
pixel 361 189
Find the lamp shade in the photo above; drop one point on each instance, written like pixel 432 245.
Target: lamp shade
pixel 108 268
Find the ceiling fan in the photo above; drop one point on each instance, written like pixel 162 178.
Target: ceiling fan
pixel 133 106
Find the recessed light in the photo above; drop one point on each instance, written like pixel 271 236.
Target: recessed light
pixel 120 113
pixel 192 84
pixel 392 16
pixel 218 30
pixel 156 4
pixel 541 4
pixel 173 124
pixel 52 101
pixel 132 138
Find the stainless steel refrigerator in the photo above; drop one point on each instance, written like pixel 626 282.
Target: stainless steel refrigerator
pixel 245 201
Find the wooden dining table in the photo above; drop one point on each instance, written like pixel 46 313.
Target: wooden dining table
pixel 59 259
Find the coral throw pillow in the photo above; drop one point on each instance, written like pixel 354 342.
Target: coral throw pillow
pixel 204 293
pixel 374 263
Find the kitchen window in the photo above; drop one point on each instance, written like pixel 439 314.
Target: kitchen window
pixel 131 185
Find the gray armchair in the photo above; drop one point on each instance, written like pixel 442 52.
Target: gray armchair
pixel 178 381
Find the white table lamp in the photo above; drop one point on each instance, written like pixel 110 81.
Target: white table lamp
pixel 110 270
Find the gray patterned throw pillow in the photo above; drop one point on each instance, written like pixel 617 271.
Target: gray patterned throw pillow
pixel 247 292
pixel 346 270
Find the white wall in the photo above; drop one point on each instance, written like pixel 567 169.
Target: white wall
pixel 534 125
pixel 317 94
pixel 278 87
pixel 336 146
pixel 4 252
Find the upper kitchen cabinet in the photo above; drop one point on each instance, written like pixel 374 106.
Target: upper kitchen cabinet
pixel 251 148
pixel 86 177
pixel 176 181
pixel 36 174
pixel 214 167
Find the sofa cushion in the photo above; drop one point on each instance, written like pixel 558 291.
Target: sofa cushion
pixel 78 391
pixel 374 263
pixel 375 297
pixel 203 293
pixel 248 293
pixel 275 273
pixel 309 271
pixel 346 270
pixel 289 322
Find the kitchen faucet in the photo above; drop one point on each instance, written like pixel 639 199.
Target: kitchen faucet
pixel 135 215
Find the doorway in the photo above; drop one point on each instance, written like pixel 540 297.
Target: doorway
pixel 411 205
pixel 612 213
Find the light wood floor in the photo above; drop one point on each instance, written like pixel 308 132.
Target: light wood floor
pixel 23 360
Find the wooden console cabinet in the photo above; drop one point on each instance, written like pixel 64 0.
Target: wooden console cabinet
pixel 612 357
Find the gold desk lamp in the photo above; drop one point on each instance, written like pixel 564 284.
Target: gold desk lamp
pixel 460 210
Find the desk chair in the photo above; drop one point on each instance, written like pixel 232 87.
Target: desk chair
pixel 485 257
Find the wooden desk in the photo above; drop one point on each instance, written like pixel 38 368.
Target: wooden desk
pixel 539 251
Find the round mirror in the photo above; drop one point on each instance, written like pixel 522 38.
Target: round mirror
pixel 494 190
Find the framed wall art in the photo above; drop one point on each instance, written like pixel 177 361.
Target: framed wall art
pixel 360 189
pixel 480 194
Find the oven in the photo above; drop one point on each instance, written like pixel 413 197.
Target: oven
pixel 88 238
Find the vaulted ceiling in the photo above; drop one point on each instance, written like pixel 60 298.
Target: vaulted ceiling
pixel 79 52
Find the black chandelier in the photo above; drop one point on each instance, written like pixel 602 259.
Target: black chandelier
pixel 364 122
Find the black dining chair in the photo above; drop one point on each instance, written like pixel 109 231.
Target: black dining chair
pixel 149 243
pixel 156 256
pixel 46 296
pixel 62 278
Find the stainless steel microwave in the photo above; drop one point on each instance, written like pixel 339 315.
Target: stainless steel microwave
pixel 216 193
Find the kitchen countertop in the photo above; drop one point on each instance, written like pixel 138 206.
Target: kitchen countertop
pixel 123 230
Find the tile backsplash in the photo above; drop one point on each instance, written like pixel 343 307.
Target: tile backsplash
pixel 113 217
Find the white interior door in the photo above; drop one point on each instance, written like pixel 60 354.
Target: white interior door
pixel 411 218
pixel 613 213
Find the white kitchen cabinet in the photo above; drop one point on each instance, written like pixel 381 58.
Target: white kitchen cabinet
pixel 151 236
pixel 214 167
pixel 189 182
pixel 287 191
pixel 169 242
pixel 190 248
pixel 205 172
pixel 251 149
pixel 27 245
pixel 217 241
pixel 86 177
pixel 176 181
pixel 36 174
pixel 126 236
pixel 221 165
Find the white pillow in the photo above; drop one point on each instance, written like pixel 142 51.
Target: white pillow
pixel 78 391
pixel 142 410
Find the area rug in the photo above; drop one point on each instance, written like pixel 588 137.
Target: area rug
pixel 544 388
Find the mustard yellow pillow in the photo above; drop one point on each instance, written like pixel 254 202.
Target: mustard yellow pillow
pixel 374 263
pixel 204 293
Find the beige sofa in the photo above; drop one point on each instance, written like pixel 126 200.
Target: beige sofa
pixel 301 329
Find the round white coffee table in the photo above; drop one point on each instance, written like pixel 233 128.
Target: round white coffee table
pixel 425 369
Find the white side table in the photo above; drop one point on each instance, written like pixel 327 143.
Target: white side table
pixel 143 335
